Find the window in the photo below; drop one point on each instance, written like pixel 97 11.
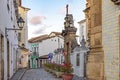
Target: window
pixel 37 50
pixel 19 36
pixel 58 40
pixel 34 49
pixel 78 60
pixel 82 30
pixel 11 18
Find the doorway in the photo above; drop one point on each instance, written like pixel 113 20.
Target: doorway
pixel 1 57
pixel 8 60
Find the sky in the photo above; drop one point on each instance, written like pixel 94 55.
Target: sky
pixel 47 16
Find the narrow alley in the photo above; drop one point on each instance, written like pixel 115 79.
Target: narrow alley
pixel 34 74
pixel 60 40
pixel 38 74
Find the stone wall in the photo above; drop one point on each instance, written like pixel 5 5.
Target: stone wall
pixel 111 39
pixel 95 61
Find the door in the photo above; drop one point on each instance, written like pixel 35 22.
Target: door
pixel 8 60
pixel 1 57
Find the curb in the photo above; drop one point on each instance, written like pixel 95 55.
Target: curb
pixel 20 77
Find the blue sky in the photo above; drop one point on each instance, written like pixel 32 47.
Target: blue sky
pixel 46 16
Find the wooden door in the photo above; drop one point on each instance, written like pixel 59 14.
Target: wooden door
pixel 1 57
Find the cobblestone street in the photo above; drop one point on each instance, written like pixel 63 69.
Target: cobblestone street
pixel 38 74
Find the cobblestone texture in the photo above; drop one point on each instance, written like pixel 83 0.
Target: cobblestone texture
pixel 18 74
pixel 38 74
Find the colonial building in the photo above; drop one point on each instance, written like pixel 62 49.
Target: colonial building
pixel 82 29
pixel 58 56
pixel 111 38
pixel 8 38
pixel 46 44
pixel 103 29
pixel 23 37
pixel 95 61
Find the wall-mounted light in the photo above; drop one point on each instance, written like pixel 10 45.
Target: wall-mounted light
pixel 20 23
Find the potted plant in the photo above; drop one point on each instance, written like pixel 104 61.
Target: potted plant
pixel 58 70
pixel 67 69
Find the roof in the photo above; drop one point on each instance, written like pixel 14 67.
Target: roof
pixel 20 5
pixel 54 34
pixel 38 38
pixel 82 21
pixel 44 57
pixel 44 37
pixel 25 8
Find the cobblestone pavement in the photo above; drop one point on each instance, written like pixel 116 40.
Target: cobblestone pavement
pixel 18 74
pixel 38 74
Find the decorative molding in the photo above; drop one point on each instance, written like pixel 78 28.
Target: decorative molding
pixel 116 2
pixel 96 29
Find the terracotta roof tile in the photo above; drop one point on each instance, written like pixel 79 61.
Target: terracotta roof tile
pixel 43 37
pixel 38 38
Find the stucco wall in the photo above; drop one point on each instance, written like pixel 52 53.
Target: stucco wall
pixel 49 45
pixel 8 19
pixel 24 32
pixel 82 30
pixel 78 70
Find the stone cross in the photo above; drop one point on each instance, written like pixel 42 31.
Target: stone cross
pixel 66 9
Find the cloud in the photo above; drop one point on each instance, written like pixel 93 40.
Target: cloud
pixel 42 29
pixel 37 20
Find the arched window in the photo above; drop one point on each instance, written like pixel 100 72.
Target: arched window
pixel 78 60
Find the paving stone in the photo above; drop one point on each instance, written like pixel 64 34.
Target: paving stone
pixel 18 73
pixel 75 77
pixel 38 74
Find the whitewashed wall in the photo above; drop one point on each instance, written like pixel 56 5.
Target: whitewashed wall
pixel 5 21
pixel 82 29
pixel 49 45
pixel 78 70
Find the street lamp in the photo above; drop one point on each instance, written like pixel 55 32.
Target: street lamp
pixel 20 23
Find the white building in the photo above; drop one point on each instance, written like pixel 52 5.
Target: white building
pixel 46 44
pixel 78 59
pixel 58 56
pixel 8 39
pixel 82 29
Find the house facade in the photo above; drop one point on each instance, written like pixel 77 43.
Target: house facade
pixel 82 29
pixel 8 39
pixel 23 37
pixel 46 44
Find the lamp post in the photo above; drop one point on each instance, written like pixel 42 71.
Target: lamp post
pixel 20 23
